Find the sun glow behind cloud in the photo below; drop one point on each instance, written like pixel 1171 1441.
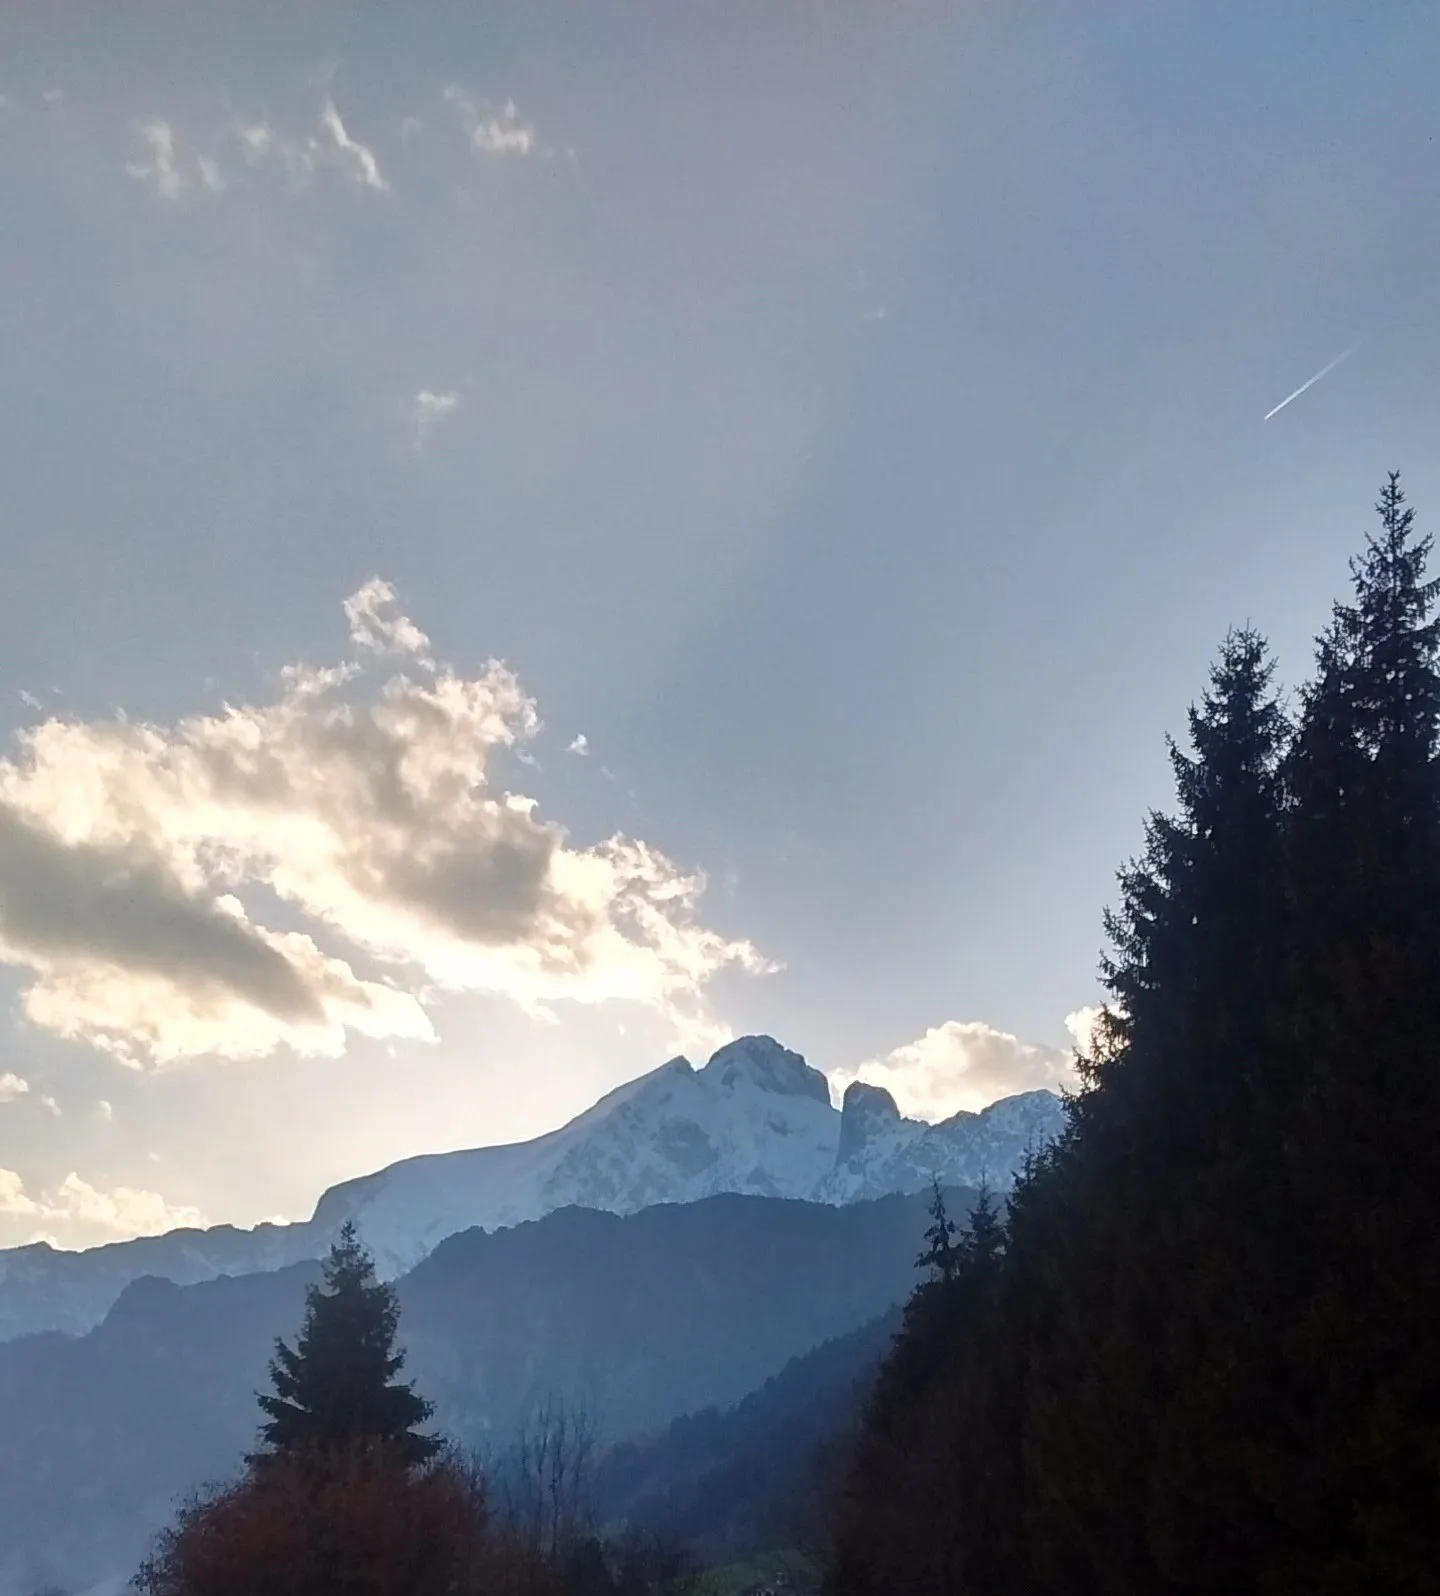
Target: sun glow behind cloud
pixel 140 867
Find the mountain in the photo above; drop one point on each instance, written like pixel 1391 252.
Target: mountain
pixel 637 1318
pixel 755 1119
pixel 728 1484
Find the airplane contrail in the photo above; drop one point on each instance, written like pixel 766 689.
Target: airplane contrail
pixel 1324 371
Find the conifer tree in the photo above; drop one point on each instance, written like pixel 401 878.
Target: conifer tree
pixel 941 1254
pixel 1154 1187
pixel 1365 1150
pixel 335 1389
pixel 1206 1356
pixel 983 1243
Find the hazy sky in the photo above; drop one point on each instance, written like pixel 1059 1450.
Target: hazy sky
pixel 540 536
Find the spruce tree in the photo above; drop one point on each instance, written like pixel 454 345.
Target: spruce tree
pixel 941 1254
pixel 335 1389
pixel 1364 835
pixel 983 1243
pixel 1207 1359
pixel 1153 1192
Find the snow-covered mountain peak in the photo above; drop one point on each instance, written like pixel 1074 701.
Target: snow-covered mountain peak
pixel 756 1119
pixel 761 1062
pixel 866 1112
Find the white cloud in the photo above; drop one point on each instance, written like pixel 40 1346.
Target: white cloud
pixel 961 1065
pixel 426 410
pixel 581 746
pixel 76 1213
pixel 492 132
pixel 163 170
pixel 136 862
pixel 12 1086
pixel 1085 1025
pixel 331 147
pixel 376 623
pixel 356 160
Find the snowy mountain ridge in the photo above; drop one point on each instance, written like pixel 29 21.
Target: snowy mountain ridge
pixel 755 1119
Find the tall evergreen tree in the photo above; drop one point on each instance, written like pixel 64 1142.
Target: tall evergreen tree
pixel 941 1255
pixel 1207 1359
pixel 335 1390
pixel 1154 1182
pixel 1365 1154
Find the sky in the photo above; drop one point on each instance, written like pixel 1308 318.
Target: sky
pixel 541 537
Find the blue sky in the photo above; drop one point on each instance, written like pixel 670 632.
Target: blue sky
pixel 846 419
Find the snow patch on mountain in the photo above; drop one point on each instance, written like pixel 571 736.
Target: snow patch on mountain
pixel 755 1119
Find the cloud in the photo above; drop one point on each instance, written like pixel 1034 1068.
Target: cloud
pixel 82 1213
pixel 961 1065
pixel 1086 1026
pixel 330 148
pixel 376 623
pixel 12 1086
pixel 581 746
pixel 353 158
pixel 164 171
pixel 492 132
pixel 426 410
pixel 144 869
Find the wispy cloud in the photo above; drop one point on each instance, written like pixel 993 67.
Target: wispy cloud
pixel 163 170
pixel 136 861
pixel 356 160
pixel 425 410
pixel 580 745
pixel 330 148
pixel 376 623
pixel 961 1065
pixel 12 1086
pixel 491 130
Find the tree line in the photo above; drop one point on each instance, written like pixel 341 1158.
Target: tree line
pixel 1200 1351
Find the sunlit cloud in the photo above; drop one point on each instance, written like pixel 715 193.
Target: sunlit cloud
pixel 961 1065
pixel 142 865
pixel 77 1214
pixel 12 1086
pixel 376 623
pixel 1086 1027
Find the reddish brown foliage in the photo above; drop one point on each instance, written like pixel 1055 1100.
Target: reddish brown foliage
pixel 350 1524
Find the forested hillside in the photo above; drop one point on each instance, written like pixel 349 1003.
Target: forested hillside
pixel 1202 1355
pixel 635 1320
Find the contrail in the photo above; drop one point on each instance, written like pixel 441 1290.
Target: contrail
pixel 1324 371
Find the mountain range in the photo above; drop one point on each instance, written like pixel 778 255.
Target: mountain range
pixel 636 1319
pixel 755 1119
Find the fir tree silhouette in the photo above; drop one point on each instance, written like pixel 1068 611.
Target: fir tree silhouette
pixel 335 1389
pixel 941 1253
